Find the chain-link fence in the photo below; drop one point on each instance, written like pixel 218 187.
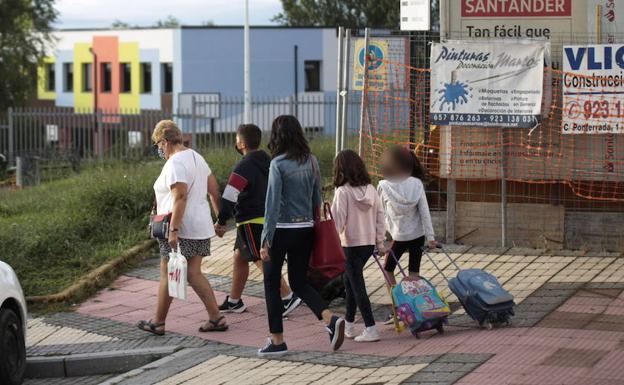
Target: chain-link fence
pixel 532 187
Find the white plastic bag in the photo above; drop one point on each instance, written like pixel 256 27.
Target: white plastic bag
pixel 177 274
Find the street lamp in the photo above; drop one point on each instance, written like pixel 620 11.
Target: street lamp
pixel 246 65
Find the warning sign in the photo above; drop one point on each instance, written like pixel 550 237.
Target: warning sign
pixel 377 51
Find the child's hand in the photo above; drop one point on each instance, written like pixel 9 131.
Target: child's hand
pixel 264 253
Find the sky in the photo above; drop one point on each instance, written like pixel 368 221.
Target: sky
pixel 102 13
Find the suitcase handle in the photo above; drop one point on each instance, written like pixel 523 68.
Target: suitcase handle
pixel 386 274
pixel 425 250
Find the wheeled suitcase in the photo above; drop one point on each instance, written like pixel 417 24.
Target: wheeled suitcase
pixel 415 302
pixel 479 292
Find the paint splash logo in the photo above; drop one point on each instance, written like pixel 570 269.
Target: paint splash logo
pixel 453 94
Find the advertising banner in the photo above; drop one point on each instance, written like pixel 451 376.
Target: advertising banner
pixel 485 84
pixel 593 89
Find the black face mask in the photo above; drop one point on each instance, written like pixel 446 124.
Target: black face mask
pixel 238 149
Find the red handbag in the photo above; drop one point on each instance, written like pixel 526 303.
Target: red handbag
pixel 327 257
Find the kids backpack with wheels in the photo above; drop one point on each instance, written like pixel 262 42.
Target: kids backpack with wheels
pixel 417 303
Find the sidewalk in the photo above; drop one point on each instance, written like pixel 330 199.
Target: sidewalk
pixel 568 329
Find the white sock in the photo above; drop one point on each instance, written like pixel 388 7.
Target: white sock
pixel 233 301
pixel 349 324
pixel 288 297
pixel 371 329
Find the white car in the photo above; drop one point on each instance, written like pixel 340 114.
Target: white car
pixel 12 328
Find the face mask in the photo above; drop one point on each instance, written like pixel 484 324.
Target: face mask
pixel 161 153
pixel 238 149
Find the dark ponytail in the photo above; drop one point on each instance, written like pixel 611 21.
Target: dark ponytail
pixel 418 171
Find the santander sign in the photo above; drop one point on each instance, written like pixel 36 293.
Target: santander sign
pixel 515 8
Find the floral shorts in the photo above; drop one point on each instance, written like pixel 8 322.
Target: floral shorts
pixel 188 247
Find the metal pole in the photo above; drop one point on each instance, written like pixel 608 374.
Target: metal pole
pixel 338 89
pixel 296 96
pixel 11 137
pixel 503 191
pixel 451 184
pixel 345 89
pixel 193 123
pixel 364 90
pixel 100 136
pixel 247 64
pixel 443 9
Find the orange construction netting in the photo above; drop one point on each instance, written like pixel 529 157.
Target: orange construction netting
pixel 592 165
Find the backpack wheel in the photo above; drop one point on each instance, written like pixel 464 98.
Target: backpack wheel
pixel 440 328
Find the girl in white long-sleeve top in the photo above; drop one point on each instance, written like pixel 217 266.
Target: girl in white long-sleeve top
pixel 407 212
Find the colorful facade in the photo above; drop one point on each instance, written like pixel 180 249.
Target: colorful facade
pixel 138 69
pixel 117 69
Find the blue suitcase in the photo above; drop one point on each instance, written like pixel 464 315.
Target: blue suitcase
pixel 481 295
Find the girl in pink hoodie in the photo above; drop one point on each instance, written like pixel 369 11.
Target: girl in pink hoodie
pixel 359 218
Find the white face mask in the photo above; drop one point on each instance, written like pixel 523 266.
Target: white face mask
pixel 161 153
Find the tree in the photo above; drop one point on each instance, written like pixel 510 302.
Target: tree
pixel 169 22
pixel 25 32
pixel 118 24
pixel 346 13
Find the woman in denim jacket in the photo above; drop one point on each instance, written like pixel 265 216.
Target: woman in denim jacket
pixel 294 191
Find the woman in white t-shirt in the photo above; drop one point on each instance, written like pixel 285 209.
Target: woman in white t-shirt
pixel 182 189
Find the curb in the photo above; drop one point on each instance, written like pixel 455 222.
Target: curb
pixel 91 364
pixel 150 366
pixel 93 279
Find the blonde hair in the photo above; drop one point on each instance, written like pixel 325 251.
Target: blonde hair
pixel 167 130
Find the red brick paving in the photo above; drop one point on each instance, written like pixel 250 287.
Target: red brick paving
pixel 522 355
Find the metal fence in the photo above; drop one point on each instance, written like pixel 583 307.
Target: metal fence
pixel 68 136
pixel 543 197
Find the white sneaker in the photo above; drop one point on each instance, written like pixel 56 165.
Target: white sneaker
pixel 370 334
pixel 350 329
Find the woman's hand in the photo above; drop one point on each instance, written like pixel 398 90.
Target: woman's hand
pixel 264 253
pixel 173 240
pixel 432 244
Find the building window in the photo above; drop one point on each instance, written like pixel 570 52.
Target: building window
pixel 146 78
pixel 68 77
pixel 167 78
pixel 125 77
pixel 87 77
pixel 50 77
pixel 106 77
pixel 312 70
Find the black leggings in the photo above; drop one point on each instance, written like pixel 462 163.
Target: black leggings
pixel 355 286
pixel 297 245
pixel 414 247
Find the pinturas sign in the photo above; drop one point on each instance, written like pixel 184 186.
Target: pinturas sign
pixel 486 84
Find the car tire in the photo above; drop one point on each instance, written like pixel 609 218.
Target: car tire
pixel 12 348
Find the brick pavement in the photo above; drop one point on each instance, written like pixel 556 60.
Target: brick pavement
pixel 568 328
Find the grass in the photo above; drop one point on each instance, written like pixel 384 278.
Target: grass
pixel 56 232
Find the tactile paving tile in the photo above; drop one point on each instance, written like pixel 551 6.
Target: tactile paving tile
pixel 535 274
pixel 40 333
pixel 226 370
pixel 582 269
pixel 612 273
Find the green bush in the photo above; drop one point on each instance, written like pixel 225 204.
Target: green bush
pixel 55 233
